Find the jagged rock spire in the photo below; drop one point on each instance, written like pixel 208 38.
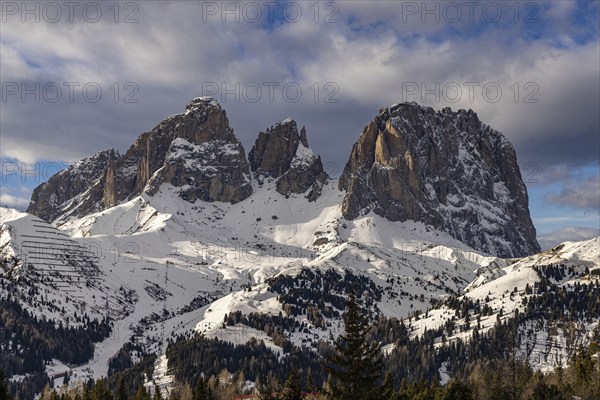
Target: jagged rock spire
pixel 283 154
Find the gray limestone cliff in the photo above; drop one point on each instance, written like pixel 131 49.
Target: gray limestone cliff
pixel 195 151
pixel 283 154
pixel 443 168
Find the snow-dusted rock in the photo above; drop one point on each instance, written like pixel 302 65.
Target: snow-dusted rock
pixel 67 190
pixel 283 154
pixel 446 169
pixel 195 151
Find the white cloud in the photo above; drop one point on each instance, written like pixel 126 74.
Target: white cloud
pixel 567 234
pixel 7 200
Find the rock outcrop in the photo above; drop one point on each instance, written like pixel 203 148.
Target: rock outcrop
pixel 205 159
pixel 443 168
pixel 283 154
pixel 195 151
pixel 446 169
pixel 64 190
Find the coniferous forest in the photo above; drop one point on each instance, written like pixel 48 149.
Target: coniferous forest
pixel 354 368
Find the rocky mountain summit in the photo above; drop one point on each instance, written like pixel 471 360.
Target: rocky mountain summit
pixel 443 168
pixel 283 153
pixel 205 159
pixel 63 190
pixel 446 169
pixel 195 151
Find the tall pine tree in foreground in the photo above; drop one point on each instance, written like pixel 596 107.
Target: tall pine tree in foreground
pixel 356 365
pixel 203 391
pixel 121 391
pixel 3 387
pixel 292 389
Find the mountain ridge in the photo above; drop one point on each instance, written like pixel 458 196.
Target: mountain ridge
pixel 444 168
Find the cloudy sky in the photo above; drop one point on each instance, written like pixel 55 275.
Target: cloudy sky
pixel 84 76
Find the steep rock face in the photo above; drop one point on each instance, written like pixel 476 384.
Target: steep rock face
pixel 205 159
pixel 283 154
pixel 446 169
pixel 195 151
pixel 61 192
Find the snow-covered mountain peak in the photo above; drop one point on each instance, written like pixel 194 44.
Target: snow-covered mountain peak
pixel 446 169
pixel 10 214
pixel 201 102
pixel 286 121
pixel 442 168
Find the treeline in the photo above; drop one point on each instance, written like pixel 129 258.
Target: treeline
pixel 26 341
pixel 355 370
pixel 277 327
pixel 191 359
pixel 563 302
pixel 486 366
pixel 493 380
pixel 322 294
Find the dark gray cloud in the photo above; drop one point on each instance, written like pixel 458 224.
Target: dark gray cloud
pixel 583 195
pixel 370 55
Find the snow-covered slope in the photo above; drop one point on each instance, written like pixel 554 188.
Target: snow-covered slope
pixel 56 277
pixel 268 233
pixel 168 259
pixel 37 255
pixel 503 292
pixel 164 266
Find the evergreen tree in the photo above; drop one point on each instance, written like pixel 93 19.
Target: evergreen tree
pixel 271 390
pixel 328 384
pixel 157 394
pixel 200 389
pixel 292 389
pixel 86 393
pixel 388 390
pixel 100 391
pixel 356 364
pixel 310 387
pixel 456 390
pixel 203 391
pixel 543 391
pixel 3 387
pixel 584 367
pixel 141 393
pixel 421 390
pixel 121 391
